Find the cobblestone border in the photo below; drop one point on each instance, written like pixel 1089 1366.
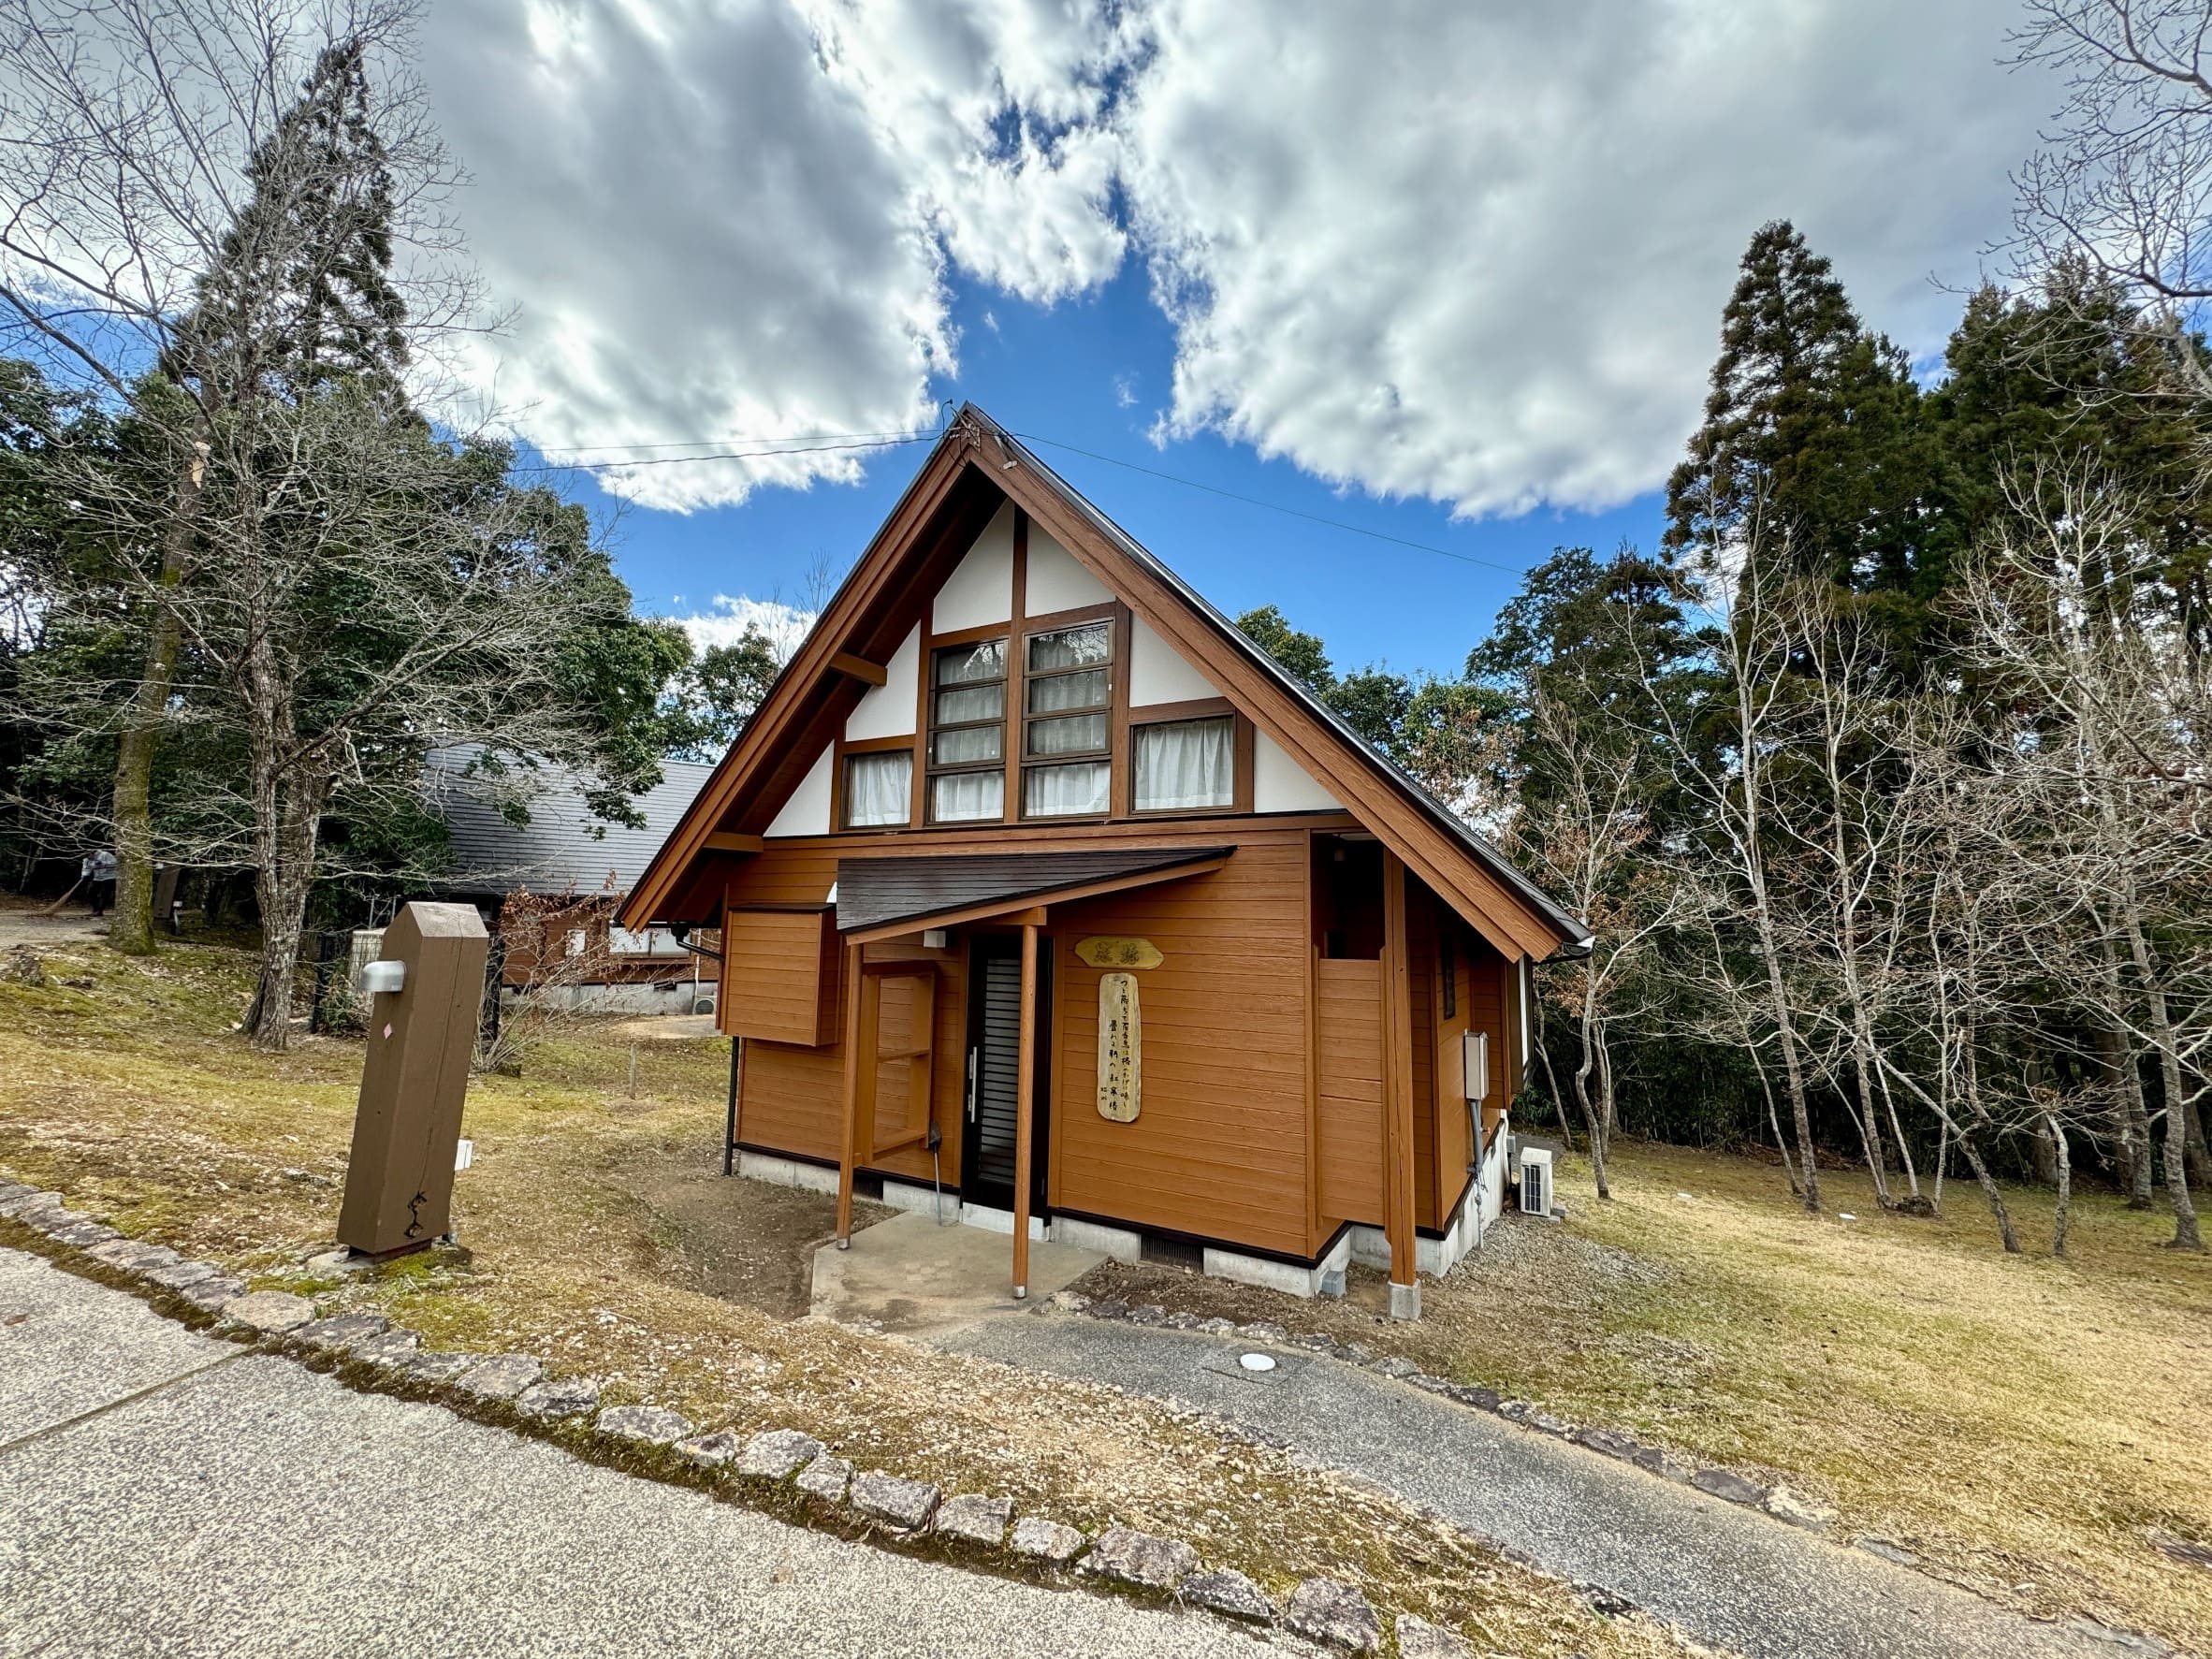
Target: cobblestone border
pixel 797 1476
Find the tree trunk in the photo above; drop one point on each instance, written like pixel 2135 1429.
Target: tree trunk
pixel 2185 1236
pixel 1793 1072
pixel 1558 1098
pixel 2118 1063
pixel 2063 1164
pixel 1592 1118
pixel 2005 1217
pixel 1774 1123
pixel 132 930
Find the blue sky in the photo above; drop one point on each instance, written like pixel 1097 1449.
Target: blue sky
pixel 1471 259
pixel 1063 371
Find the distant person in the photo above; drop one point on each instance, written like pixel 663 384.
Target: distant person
pixel 99 874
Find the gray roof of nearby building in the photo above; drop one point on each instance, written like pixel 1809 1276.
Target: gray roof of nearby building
pixel 563 847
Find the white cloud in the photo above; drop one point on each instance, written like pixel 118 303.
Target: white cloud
pixel 726 621
pixel 1478 253
pixel 1472 253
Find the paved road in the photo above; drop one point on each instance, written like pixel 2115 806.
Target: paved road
pixel 1732 1578
pixel 163 1494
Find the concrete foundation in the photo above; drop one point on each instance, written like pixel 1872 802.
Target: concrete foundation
pixel 1121 1244
pixel 787 1171
pixel 1324 1278
pixel 1405 1302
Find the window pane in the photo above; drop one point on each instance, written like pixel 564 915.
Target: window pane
pixel 970 703
pixel 1086 689
pixel 1051 791
pixel 959 797
pixel 966 744
pixel 876 787
pixel 1071 647
pixel 1075 735
pixel 962 664
pixel 1185 763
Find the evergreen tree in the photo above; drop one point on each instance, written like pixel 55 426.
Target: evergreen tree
pixel 299 295
pixel 1813 455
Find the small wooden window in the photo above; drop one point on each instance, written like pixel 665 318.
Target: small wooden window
pixel 1448 971
pixel 879 789
pixel 1184 766
pixel 967 733
pixel 1067 736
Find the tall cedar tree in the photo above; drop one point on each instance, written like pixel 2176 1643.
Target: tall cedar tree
pixel 300 294
pixel 1813 455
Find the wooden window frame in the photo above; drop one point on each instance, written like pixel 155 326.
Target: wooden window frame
pixel 927 767
pixel 846 747
pixel 1023 760
pixel 1242 744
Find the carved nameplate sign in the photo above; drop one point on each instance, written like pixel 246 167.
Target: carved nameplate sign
pixel 1120 952
pixel 1121 1048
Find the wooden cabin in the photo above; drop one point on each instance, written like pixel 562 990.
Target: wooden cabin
pixel 1036 878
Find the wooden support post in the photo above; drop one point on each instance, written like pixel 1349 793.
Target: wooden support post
pixel 1024 1112
pixel 849 1144
pixel 1397 1162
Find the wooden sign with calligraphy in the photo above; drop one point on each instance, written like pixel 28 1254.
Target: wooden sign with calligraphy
pixel 1121 1049
pixel 1120 953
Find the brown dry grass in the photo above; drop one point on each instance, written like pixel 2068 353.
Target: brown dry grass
pixel 132 1096
pixel 2025 1424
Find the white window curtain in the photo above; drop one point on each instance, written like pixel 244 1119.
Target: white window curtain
pixel 958 797
pixel 878 788
pixel 1183 764
pixel 1058 791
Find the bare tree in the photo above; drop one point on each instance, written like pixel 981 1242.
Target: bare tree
pixel 2124 181
pixel 1722 753
pixel 2116 707
pixel 1587 832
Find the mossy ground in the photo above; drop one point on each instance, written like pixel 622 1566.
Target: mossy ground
pixel 132 1095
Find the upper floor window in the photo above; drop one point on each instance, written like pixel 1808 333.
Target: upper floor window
pixel 1067 765
pixel 1184 765
pixel 879 789
pixel 968 733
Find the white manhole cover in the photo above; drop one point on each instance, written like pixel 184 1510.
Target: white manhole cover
pixel 1256 1362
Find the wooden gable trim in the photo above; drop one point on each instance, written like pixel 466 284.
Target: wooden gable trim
pixel 797 703
pixel 1488 906
pixel 860 668
pixel 806 708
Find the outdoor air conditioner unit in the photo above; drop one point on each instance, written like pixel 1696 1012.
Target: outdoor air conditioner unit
pixel 1536 1181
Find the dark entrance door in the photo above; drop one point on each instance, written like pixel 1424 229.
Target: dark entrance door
pixel 994 1058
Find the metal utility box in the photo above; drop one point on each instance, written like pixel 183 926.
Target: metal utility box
pixel 1474 1064
pixel 428 990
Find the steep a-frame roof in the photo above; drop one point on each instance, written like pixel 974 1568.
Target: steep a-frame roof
pixel 973 468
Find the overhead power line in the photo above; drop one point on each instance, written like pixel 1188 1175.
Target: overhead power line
pixel 833 443
pixel 1253 501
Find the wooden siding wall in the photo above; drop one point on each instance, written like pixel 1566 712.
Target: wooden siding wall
pixel 1347 1012
pixel 1220 1150
pixel 780 975
pixel 1219 1147
pixel 792 1099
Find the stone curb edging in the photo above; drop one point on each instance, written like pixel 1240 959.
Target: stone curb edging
pixel 981 1528
pixel 1727 1484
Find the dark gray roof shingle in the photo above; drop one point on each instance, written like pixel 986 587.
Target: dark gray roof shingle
pixel 873 892
pixel 562 847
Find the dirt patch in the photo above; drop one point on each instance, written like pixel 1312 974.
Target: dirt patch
pixel 746 1242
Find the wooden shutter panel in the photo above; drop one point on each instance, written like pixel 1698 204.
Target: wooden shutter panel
pixel 898 1014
